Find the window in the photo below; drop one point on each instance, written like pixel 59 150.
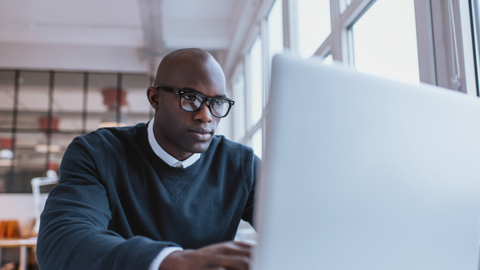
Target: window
pixel 406 40
pixel 384 41
pixel 275 30
pixel 344 4
pixel 313 17
pixel 476 28
pixel 257 142
pixel 97 83
pixel 137 106
pixel 7 95
pixel 68 98
pixel 328 60
pixel 52 109
pixel 239 108
pixel 256 82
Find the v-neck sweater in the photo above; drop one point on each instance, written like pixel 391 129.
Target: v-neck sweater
pixel 117 204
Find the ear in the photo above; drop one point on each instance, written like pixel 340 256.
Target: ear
pixel 153 97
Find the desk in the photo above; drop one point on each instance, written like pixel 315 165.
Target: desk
pixel 23 244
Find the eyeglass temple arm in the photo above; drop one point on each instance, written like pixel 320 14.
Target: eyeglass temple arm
pixel 168 89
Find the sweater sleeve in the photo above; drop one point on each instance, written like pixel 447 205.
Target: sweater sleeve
pixel 74 224
pixel 254 176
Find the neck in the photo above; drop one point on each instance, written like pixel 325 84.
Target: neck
pixel 169 147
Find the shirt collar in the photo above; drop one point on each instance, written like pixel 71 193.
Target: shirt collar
pixel 169 159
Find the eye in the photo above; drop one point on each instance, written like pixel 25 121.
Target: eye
pixel 190 97
pixel 217 102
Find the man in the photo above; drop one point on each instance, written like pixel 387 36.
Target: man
pixel 163 195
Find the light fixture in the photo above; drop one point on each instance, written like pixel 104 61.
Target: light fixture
pixel 43 146
pixel 6 154
pixel 114 103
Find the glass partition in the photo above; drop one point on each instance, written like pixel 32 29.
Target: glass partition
pixel 68 98
pixel 7 96
pixel 137 109
pixel 52 109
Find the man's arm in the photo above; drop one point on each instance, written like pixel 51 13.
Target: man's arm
pixel 73 229
pixel 254 174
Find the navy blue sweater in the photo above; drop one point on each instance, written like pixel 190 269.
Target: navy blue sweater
pixel 118 204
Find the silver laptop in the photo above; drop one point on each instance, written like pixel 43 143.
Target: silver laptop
pixel 367 173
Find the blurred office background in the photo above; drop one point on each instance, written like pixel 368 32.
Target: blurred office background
pixel 69 67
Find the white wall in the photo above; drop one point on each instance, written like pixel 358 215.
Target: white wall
pixel 19 207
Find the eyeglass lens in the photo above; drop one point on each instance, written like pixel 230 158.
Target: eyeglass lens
pixel 191 102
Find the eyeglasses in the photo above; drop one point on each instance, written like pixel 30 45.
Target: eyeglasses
pixel 191 101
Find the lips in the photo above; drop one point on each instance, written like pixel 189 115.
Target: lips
pixel 201 134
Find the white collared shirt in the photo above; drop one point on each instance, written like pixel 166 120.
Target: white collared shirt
pixel 169 159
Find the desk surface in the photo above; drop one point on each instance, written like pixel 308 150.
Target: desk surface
pixel 30 242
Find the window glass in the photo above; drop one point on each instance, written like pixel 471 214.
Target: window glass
pixel 385 42
pixel 137 108
pixel 257 142
pixel 256 82
pixel 6 160
pixel 33 98
pixel 7 95
pixel 68 101
pixel 476 26
pixel 328 60
pixel 313 18
pixel 102 107
pixel 344 5
pixel 239 107
pixel 275 30
pixel 33 150
pixel 28 163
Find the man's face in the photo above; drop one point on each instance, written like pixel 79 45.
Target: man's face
pixel 179 132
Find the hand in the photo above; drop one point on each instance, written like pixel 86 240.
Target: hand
pixel 223 256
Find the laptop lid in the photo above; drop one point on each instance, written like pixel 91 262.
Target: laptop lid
pixel 363 172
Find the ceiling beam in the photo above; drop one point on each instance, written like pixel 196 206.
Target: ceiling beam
pixel 152 25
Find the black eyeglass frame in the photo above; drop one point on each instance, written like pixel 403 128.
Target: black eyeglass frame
pixel 183 91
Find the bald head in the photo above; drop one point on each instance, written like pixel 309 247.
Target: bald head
pixel 194 64
pixel 181 132
pixel 190 53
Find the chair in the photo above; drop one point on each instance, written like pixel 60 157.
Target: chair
pixel 37 182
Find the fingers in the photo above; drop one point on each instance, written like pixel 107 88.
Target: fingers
pixel 230 255
pixel 243 244
pixel 231 262
pixel 236 248
pixel 223 256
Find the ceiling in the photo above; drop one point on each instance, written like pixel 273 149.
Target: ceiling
pixel 124 23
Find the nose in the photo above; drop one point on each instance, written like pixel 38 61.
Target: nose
pixel 204 114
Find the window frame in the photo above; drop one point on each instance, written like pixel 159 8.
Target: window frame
pixel 434 47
